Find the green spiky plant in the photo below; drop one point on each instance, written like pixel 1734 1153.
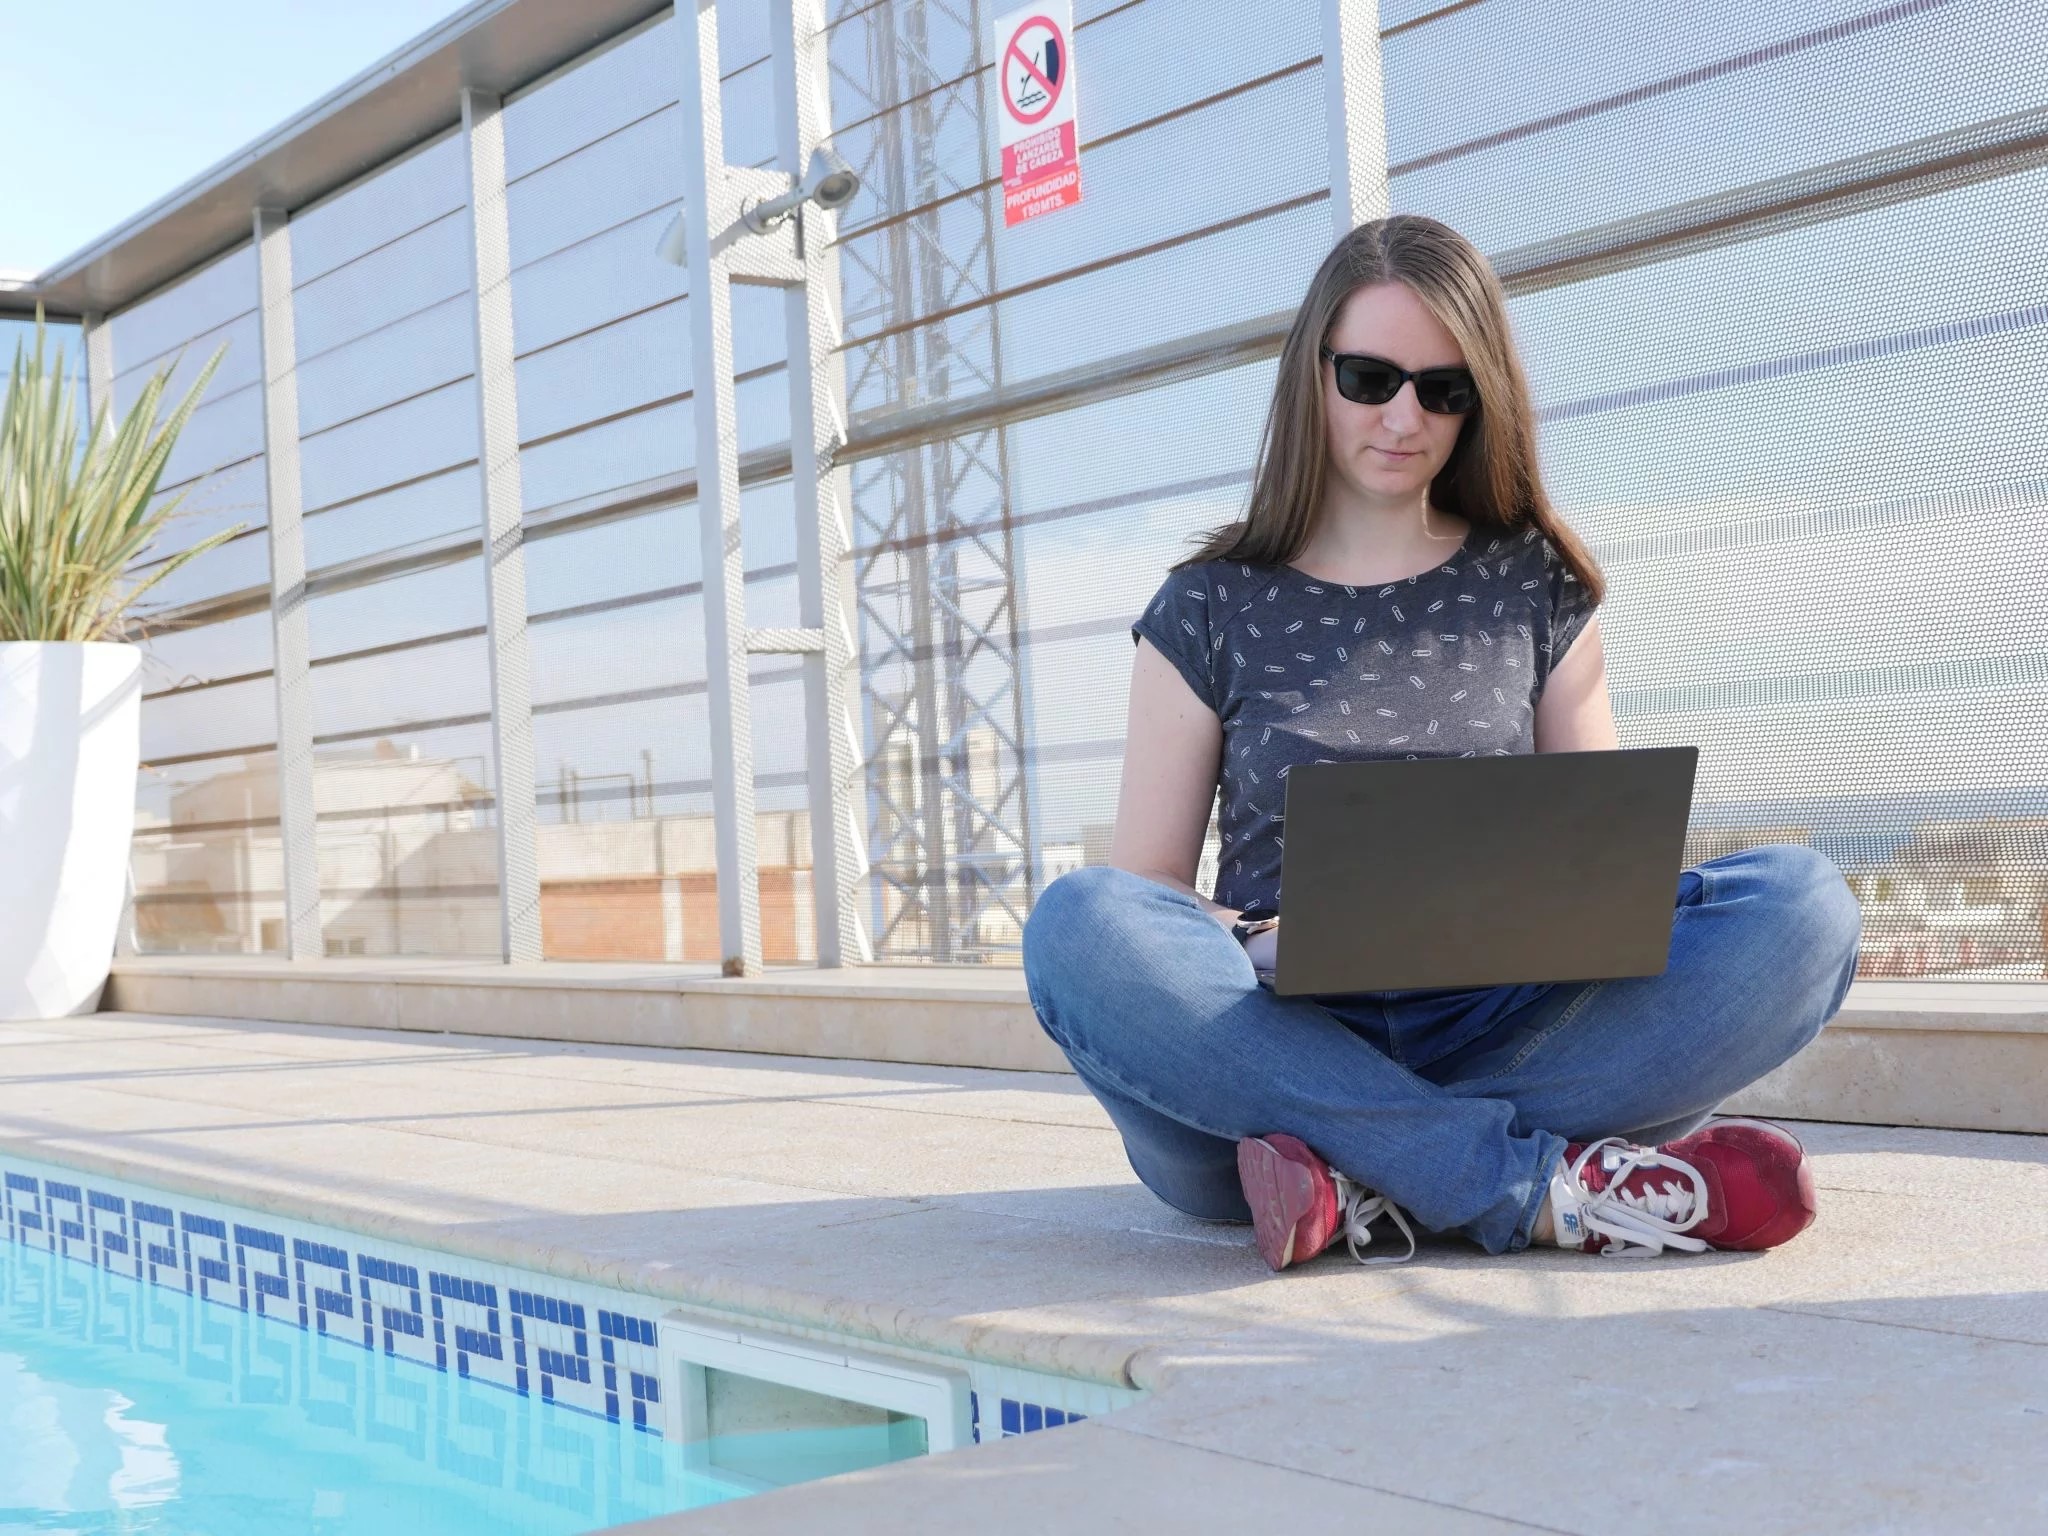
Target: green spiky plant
pixel 76 518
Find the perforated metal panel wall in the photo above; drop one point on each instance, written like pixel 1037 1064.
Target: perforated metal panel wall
pixel 1774 274
pixel 403 777
pixel 1780 296
pixel 614 569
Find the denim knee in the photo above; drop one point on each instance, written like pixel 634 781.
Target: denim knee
pixel 1815 925
pixel 1063 930
pixel 1818 913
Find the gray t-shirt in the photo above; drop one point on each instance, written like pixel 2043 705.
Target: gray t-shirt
pixel 1445 664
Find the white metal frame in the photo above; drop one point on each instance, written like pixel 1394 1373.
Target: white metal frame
pixel 291 641
pixel 1356 94
pixel 504 549
pixel 824 503
pixel 97 338
pixel 795 256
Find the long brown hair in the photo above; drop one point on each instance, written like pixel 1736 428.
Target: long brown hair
pixel 1491 478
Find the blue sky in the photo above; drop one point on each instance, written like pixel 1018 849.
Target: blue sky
pixel 129 99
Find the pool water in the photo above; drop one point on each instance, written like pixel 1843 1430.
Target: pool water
pixel 132 1408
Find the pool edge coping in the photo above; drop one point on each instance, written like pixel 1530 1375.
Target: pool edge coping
pixel 1100 1361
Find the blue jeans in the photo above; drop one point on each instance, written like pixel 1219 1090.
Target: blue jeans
pixel 1453 1104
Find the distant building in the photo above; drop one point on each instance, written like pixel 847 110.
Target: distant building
pixel 407 846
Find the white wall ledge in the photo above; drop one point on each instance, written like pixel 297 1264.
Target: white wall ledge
pixel 1960 1055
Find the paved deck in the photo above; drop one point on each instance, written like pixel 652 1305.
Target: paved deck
pixel 1887 1372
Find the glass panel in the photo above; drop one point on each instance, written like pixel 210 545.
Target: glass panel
pixel 403 771
pixel 180 313
pixel 416 437
pixel 605 372
pixel 206 860
pixel 621 739
pixel 438 507
pixel 405 195
pixel 1814 468
pixel 1019 745
pixel 402 766
pixel 610 274
pixel 408 843
pixel 239 342
pixel 1499 96
pixel 658 441
pixel 233 498
pixel 408 356
pixel 619 177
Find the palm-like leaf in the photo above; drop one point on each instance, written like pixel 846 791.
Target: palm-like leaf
pixel 75 519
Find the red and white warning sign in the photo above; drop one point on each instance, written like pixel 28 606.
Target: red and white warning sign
pixel 1035 94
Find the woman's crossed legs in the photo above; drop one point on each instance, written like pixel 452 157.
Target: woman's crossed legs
pixel 1163 1018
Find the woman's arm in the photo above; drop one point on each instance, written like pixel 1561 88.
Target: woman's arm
pixel 1573 713
pixel 1173 750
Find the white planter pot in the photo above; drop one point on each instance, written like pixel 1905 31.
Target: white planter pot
pixel 70 724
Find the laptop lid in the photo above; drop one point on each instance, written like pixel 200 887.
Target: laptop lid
pixel 1481 871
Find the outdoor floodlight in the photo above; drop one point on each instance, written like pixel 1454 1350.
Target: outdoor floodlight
pixel 829 182
pixel 674 245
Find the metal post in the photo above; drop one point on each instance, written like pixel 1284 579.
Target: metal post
pixel 98 340
pixel 822 492
pixel 709 209
pixel 490 241
pixel 291 644
pixel 1358 113
pixel 99 366
pixel 722 250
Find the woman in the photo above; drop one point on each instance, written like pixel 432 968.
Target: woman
pixel 1400 586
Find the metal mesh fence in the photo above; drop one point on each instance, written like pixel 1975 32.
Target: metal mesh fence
pixel 1771 271
pixel 1781 312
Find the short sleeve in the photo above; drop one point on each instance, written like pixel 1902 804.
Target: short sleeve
pixel 1570 605
pixel 1176 621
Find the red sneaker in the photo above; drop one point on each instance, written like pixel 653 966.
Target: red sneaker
pixel 1736 1184
pixel 1301 1205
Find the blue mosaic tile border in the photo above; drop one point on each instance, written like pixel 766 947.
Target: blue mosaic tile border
pixel 581 1346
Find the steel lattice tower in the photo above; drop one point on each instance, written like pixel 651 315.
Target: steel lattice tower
pixel 949 823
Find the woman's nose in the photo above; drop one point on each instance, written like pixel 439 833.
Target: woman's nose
pixel 1403 413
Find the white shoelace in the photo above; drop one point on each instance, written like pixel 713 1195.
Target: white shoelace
pixel 1637 1224
pixel 1357 1209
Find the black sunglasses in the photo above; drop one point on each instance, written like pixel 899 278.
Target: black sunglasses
pixel 1367 380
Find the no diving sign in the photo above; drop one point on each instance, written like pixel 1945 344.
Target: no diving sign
pixel 1035 93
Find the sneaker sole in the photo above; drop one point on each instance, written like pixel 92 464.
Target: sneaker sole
pixel 1280 1193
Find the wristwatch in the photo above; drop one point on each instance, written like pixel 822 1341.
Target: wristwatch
pixel 1253 920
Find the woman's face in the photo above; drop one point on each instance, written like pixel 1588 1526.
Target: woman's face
pixel 1389 453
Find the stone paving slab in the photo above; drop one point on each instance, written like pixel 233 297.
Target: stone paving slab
pixel 1080 1480
pixel 1888 1371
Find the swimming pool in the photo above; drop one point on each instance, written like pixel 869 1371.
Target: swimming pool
pixel 180 1367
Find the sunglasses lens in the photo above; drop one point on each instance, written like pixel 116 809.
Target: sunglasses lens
pixel 1366 381
pixel 1448 394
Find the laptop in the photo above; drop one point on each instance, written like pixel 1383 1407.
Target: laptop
pixel 1481 871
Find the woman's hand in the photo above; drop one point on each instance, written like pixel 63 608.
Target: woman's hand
pixel 1263 948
